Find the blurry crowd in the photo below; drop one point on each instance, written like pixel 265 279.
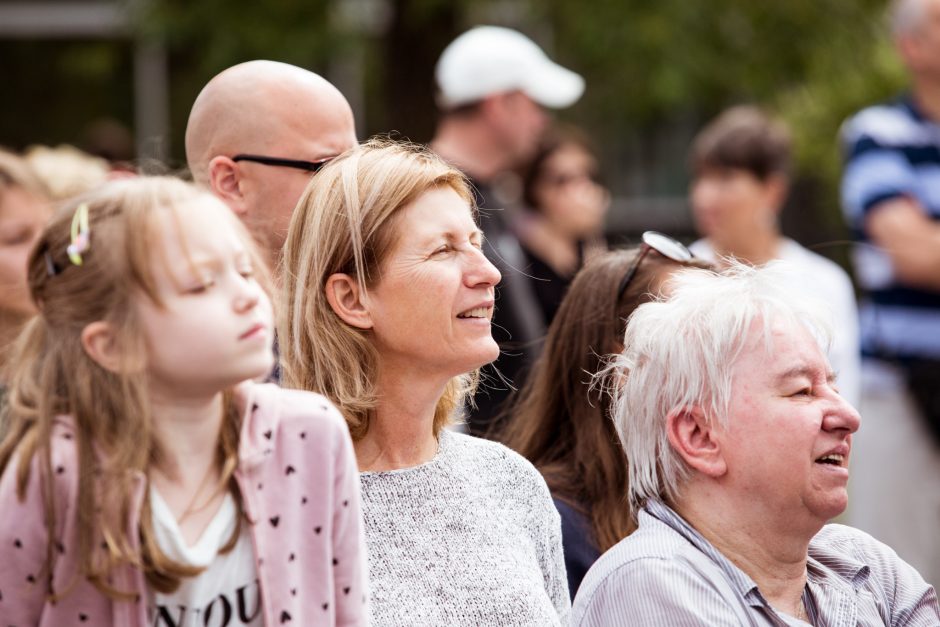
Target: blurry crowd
pixel 332 382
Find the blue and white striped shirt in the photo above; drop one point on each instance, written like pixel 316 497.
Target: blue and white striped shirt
pixel 891 151
pixel 666 573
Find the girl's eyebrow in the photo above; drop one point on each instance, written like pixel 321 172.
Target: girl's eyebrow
pixel 215 262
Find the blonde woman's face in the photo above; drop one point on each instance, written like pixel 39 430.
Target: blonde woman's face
pixel 432 306
pixel 215 328
pixel 22 218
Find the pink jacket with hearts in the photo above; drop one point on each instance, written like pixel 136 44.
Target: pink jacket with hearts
pixel 300 490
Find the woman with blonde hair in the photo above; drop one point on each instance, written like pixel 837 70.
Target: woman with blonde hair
pixel 387 306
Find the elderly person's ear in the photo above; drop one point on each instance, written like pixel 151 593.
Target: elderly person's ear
pixel 692 435
pixel 226 183
pixel 346 300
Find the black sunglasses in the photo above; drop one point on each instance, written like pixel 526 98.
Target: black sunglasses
pixel 665 246
pixel 309 166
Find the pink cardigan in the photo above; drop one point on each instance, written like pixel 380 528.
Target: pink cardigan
pixel 300 489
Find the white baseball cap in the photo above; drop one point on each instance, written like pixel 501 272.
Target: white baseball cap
pixel 490 60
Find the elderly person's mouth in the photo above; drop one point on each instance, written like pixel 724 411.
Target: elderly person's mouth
pixel 837 458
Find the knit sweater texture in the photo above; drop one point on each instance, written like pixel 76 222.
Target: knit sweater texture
pixel 468 538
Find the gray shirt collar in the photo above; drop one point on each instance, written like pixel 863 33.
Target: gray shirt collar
pixel 849 574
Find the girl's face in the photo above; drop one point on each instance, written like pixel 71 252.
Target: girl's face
pixel 215 326
pixel 22 217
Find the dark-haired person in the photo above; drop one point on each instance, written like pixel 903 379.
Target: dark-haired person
pixel 741 175
pixel 560 226
pixel 560 422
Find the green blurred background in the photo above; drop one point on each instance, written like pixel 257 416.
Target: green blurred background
pixel 656 71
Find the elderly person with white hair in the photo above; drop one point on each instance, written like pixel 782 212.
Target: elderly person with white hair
pixel 738 445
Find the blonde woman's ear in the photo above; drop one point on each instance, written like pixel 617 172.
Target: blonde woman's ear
pixel 346 300
pixel 100 343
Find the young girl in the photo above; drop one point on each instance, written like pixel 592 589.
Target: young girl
pixel 145 479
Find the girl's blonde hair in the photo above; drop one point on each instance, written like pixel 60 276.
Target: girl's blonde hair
pixel 111 410
pixel 347 221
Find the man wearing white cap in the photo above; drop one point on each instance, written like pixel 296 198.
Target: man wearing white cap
pixel 493 83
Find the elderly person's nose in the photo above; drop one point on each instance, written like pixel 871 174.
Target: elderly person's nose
pixel 842 416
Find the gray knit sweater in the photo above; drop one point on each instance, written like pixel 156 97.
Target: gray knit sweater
pixel 469 538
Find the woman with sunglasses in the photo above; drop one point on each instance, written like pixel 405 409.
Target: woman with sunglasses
pixel 561 225
pixel 559 421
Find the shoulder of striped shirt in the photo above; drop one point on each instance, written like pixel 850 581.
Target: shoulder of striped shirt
pixel 890 125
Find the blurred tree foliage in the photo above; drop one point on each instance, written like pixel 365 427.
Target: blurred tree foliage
pixel 655 71
pixel 676 64
pixel 813 63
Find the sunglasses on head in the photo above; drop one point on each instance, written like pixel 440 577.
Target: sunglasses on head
pixel 665 246
pixel 309 166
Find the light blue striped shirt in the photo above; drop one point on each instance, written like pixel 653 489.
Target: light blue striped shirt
pixel 666 573
pixel 892 151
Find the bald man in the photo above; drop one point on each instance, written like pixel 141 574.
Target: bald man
pixel 255 135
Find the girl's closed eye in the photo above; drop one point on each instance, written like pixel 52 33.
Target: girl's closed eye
pixel 17 237
pixel 200 286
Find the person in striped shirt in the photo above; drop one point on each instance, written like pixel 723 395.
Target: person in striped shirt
pixel 891 202
pixel 738 446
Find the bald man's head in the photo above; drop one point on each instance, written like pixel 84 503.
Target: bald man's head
pixel 267 109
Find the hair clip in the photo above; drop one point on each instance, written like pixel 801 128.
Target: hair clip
pixel 80 238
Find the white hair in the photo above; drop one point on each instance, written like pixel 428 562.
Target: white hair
pixel 906 16
pixel 680 351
